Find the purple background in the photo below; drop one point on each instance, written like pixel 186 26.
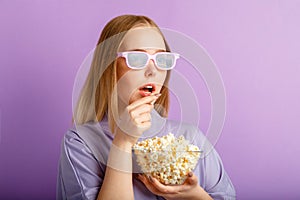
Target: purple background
pixel 255 45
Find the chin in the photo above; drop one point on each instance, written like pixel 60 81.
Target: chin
pixel 134 97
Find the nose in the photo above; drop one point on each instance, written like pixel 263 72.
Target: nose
pixel 151 69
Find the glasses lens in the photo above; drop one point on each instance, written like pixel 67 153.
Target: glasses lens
pixel 137 60
pixel 165 60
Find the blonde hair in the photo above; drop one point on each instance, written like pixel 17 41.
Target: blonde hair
pixel 95 100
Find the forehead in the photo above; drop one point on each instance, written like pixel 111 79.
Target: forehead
pixel 142 38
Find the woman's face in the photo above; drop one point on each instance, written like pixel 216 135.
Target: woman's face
pixel 134 84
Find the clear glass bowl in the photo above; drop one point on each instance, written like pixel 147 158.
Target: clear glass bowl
pixel 169 167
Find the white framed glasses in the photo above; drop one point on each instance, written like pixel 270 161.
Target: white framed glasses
pixel 140 59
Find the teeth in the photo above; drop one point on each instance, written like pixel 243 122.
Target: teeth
pixel 148 88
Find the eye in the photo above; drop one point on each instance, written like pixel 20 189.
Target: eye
pixel 164 60
pixel 137 59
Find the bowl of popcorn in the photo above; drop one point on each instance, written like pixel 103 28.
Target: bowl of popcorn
pixel 168 159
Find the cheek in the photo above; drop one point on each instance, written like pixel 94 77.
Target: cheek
pixel 126 80
pixel 121 67
pixel 162 77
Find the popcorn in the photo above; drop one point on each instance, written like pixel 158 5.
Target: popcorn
pixel 167 158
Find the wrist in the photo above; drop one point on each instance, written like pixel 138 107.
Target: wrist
pixel 122 144
pixel 124 141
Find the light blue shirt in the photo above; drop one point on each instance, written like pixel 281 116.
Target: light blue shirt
pixel 85 150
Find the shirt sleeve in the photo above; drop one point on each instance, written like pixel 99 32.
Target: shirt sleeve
pixel 217 183
pixel 80 175
pixel 215 180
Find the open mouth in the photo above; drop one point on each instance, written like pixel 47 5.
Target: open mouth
pixel 147 89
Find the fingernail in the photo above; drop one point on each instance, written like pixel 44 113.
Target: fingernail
pixel 190 174
pixel 157 95
pixel 152 102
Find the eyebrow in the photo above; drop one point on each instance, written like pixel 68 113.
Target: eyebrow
pixel 144 50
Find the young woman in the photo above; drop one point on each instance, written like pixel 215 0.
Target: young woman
pixel 125 99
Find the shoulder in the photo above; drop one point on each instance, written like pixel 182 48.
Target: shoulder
pixel 87 132
pixel 80 168
pixel 76 135
pixel 91 138
pixel 71 138
pixel 73 144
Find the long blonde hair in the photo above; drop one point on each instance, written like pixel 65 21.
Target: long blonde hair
pixel 95 99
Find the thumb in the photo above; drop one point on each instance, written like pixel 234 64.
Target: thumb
pixel 192 179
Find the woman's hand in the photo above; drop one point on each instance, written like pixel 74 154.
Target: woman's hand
pixel 136 119
pixel 189 190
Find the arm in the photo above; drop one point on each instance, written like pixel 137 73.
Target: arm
pixel 118 176
pixel 218 183
pixel 82 177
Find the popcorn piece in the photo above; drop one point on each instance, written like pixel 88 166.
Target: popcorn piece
pixel 168 159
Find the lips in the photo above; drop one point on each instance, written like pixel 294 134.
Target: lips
pixel 147 89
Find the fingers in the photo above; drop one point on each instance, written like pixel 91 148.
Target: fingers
pixel 141 178
pixel 149 183
pixel 145 117
pixel 153 183
pixel 142 109
pixel 191 179
pixel 144 100
pixel 163 188
pixel 172 191
pixel 136 118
